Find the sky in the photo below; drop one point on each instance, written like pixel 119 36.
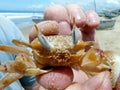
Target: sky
pixel 40 5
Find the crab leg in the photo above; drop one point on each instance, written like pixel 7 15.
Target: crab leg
pixel 19 65
pixel 21 43
pixel 23 65
pixel 35 71
pixel 8 79
pixel 14 49
pixel 27 72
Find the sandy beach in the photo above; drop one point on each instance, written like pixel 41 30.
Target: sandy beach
pixel 109 39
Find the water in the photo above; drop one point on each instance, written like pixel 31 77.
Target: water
pixel 22 19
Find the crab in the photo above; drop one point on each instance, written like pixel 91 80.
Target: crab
pixel 57 50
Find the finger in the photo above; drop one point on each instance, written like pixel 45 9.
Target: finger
pixel 75 10
pixel 46 27
pixel 92 21
pixel 64 28
pixel 75 86
pixel 79 76
pixel 57 13
pixel 99 82
pixel 106 84
pixel 59 78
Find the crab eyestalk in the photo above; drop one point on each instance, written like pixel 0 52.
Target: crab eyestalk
pixel 43 40
pixel 76 34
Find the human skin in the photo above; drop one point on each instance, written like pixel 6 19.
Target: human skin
pixel 87 22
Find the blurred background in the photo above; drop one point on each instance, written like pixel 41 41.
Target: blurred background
pixel 30 10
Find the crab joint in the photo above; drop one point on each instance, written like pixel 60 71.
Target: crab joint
pixel 3 68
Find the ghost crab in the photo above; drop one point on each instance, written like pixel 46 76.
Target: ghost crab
pixel 58 50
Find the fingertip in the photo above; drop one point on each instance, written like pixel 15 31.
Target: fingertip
pixel 57 13
pixel 79 76
pixel 106 84
pixel 97 81
pixel 92 22
pixel 74 10
pixel 93 19
pixel 48 27
pixel 59 78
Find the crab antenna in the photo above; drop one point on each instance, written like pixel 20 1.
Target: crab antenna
pixel 36 28
pixel 76 33
pixel 43 40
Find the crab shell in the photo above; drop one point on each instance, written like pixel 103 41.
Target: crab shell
pixel 64 52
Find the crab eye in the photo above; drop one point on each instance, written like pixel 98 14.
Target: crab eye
pixel 43 40
pixel 76 34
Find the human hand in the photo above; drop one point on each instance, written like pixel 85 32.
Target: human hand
pixel 62 77
pixel 87 21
